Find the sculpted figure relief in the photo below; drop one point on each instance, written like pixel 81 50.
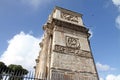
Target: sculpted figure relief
pixel 69 17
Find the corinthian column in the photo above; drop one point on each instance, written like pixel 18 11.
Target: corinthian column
pixel 44 53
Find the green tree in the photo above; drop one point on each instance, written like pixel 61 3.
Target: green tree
pixel 17 72
pixel 3 69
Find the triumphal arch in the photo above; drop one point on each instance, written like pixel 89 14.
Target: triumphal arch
pixel 65 49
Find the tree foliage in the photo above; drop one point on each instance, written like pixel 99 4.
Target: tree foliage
pixel 3 69
pixel 18 72
pixel 2 66
pixel 17 68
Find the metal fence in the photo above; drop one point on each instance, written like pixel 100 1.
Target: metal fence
pixel 10 75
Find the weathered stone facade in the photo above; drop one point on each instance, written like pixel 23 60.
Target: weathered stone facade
pixel 65 49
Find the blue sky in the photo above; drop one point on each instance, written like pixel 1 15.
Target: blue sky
pixel 21 24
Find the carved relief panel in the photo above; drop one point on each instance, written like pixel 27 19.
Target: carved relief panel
pixel 69 17
pixel 72 42
pixel 71 47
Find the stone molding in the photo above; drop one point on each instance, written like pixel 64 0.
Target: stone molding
pixel 70 26
pixel 70 31
pixel 70 71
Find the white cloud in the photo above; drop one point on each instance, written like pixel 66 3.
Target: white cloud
pixel 22 49
pixel 113 77
pixel 105 67
pixel 118 22
pixel 101 79
pixel 116 2
pixel 102 67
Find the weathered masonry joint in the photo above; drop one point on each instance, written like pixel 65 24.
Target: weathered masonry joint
pixel 65 50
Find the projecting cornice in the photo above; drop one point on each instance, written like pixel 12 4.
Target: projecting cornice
pixel 75 27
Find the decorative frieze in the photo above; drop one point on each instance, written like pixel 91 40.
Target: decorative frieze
pixel 72 51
